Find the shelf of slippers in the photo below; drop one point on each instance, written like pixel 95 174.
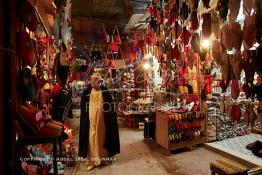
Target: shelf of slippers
pixel 180 130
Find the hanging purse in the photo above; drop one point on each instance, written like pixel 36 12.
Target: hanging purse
pixel 102 33
pixel 26 48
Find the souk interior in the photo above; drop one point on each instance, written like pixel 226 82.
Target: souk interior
pixel 182 78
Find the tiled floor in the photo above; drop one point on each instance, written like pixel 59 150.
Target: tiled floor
pixel 143 157
pixel 237 147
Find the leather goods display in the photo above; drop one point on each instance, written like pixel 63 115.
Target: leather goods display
pixel 235 89
pixel 28 117
pixel 216 51
pixel 236 35
pixel 247 88
pixel 249 64
pixel 222 7
pixel 234 6
pixel 206 3
pixel 249 32
pixel 215 24
pixel 206 26
pixel 226 37
pixel 194 20
pixel 40 126
pixel 193 4
pixel 235 112
pixel 195 42
pixel 225 66
pixel 28 15
pixel 26 48
pixel 237 65
pixel 224 84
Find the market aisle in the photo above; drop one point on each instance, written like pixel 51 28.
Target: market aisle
pixel 139 156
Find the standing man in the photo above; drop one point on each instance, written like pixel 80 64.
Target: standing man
pixel 99 135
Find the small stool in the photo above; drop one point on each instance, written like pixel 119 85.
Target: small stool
pixel 226 167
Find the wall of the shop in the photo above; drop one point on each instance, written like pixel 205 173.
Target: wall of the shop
pixel 9 65
pixel 1 89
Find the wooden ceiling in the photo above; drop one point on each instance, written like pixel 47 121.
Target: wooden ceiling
pixel 88 15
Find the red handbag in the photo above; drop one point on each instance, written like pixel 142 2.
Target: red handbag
pixel 27 48
pixel 28 14
pixel 102 33
pixel 29 118
pixel 194 20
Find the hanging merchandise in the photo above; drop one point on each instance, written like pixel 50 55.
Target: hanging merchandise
pixel 249 64
pixel 258 19
pixel 224 84
pixel 193 4
pixel 28 15
pixel 206 3
pixel 194 20
pixel 185 36
pixel 102 34
pixel 215 24
pixel 236 35
pixel 195 42
pixel 226 39
pixel 237 65
pixel 27 48
pixel 234 6
pixel 247 87
pixel 249 32
pixel 222 7
pixel 206 25
pixel 225 66
pixel 216 51
pixel 235 89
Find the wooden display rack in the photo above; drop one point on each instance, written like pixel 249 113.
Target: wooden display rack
pixel 162 123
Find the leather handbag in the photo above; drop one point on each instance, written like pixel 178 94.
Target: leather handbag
pixel 26 48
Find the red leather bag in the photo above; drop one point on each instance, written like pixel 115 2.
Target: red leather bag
pixel 28 15
pixel 27 48
pixel 235 89
pixel 194 20
pixel 206 26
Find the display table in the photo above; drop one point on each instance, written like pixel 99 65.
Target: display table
pixel 179 137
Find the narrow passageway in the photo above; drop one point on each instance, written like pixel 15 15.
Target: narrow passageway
pixel 140 156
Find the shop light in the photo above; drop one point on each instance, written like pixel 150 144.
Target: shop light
pixel 53 4
pixel 146 66
pixel 205 43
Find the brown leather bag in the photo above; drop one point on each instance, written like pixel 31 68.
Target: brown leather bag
pixel 249 32
pixel 235 89
pixel 216 51
pixel 234 6
pixel 236 35
pixel 249 64
pixel 237 65
pixel 225 66
pixel 206 26
pixel 226 37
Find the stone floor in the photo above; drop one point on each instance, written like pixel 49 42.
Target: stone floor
pixel 139 156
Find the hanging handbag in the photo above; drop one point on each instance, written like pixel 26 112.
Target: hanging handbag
pixel 102 33
pixel 28 14
pixel 26 48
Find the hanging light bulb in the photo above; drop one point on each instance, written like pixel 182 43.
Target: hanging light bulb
pixel 146 66
pixel 205 43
